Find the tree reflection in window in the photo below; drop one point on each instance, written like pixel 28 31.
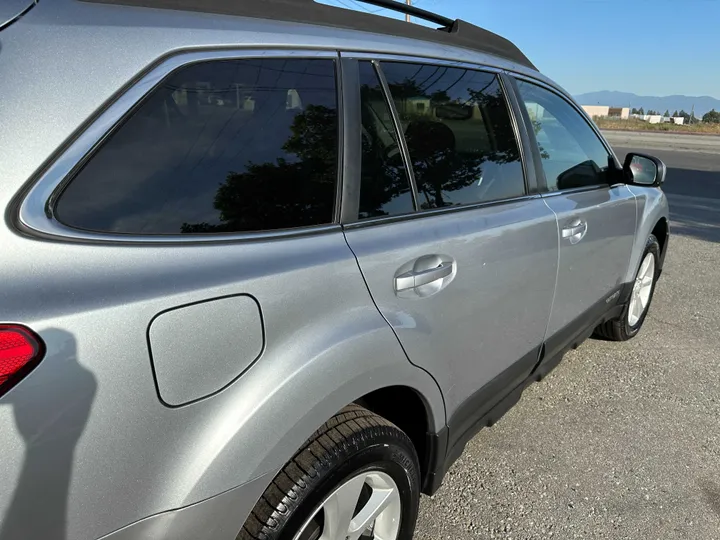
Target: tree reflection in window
pixel 384 185
pixel 284 194
pixel 219 146
pixel 461 143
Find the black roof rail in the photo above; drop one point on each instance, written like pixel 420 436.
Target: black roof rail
pixel 456 32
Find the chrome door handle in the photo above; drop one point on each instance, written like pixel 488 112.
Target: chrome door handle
pixel 410 280
pixel 575 231
pixel 572 231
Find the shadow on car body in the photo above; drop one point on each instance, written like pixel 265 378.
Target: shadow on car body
pixel 51 410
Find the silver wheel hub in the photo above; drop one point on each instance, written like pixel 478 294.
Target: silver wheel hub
pixel 642 289
pixel 365 507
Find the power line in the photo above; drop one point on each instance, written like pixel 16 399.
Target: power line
pixel 344 4
pixel 358 4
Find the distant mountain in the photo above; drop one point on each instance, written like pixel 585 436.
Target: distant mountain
pixel 669 103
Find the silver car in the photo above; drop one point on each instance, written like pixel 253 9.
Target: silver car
pixel 268 266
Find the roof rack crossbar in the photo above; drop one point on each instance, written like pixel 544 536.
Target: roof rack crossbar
pixel 411 10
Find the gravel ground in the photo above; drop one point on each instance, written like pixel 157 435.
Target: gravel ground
pixel 622 440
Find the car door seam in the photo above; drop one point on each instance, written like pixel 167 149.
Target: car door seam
pixel 636 239
pixel 557 269
pixel 397 338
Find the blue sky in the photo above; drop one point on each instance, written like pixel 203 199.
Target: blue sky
pixel 648 47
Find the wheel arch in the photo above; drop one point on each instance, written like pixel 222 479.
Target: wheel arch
pixel 276 407
pixel 661 231
pixel 407 409
pixel 653 217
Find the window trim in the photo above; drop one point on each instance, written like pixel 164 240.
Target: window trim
pixel 422 214
pixel 397 124
pixel 519 122
pixel 391 57
pixel 352 143
pixel 35 212
pixel 535 180
pixel 540 171
pixel 529 175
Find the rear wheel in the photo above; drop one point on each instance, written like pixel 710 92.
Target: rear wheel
pixel 628 324
pixel 355 479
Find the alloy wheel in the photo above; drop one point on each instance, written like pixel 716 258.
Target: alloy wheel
pixel 642 289
pixel 365 507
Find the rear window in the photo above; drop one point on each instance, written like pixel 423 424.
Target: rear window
pixel 219 147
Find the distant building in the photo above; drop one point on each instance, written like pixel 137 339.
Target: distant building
pixel 607 112
pixel 659 119
pixel 650 118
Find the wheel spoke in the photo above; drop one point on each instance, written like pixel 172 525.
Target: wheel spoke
pixel 645 296
pixel 339 509
pixel 638 307
pixel 379 501
pixel 642 289
pixel 645 265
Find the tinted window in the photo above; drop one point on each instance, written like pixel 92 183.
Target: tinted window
pixel 222 146
pixel 572 155
pixel 459 134
pixel 385 187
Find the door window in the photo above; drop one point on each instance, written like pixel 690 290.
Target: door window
pixel 459 134
pixel 572 154
pixel 219 146
pixel 385 186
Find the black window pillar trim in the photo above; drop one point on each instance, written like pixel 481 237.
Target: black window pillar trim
pixel 340 158
pixel 404 149
pixel 527 135
pixel 350 142
pixel 340 100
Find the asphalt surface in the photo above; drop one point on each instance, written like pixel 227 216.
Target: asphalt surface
pixel 622 440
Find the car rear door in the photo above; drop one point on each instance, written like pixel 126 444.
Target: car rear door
pixel 596 216
pixel 459 255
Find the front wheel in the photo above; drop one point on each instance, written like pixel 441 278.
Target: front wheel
pixel 357 478
pixel 628 324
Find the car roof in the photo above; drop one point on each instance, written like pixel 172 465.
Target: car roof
pixel 58 46
pixel 457 33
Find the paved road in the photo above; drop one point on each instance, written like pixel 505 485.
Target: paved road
pixel 622 441
pixel 665 141
pixel 693 181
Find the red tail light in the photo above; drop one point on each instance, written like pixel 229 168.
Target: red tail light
pixel 20 351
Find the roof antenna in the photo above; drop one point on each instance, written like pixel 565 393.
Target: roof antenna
pixel 407 15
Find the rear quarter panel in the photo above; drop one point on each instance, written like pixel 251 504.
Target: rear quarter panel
pixel 86 436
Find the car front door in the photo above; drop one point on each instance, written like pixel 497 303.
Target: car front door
pixel 460 259
pixel 596 216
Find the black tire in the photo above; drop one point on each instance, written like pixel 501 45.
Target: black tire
pixel 619 329
pixel 353 440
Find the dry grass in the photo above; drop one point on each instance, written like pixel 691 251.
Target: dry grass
pixel 638 125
